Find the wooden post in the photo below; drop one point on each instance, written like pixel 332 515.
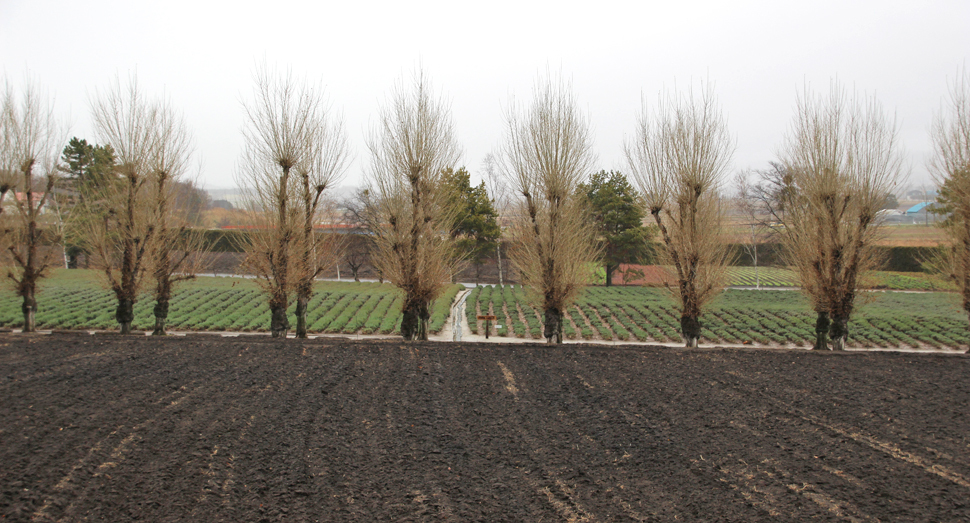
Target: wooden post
pixel 489 318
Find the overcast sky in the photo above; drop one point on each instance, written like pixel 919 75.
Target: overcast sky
pixel 202 56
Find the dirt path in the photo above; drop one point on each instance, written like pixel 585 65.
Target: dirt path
pixel 255 429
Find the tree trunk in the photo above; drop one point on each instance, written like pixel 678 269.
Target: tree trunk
pixel 161 314
pixel 839 332
pixel 609 274
pixel 414 323
pixel 125 314
pixel 690 329
pixel 553 326
pixel 29 309
pixel 498 260
pixel 821 331
pixel 301 312
pixel 409 323
pixel 423 316
pixel 278 322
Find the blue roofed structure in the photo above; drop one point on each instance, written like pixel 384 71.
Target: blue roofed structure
pixel 918 207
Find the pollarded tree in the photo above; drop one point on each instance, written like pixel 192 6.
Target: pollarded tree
pixel 294 151
pixel 951 168
pixel 843 158
pixel 30 143
pixel 679 158
pixel 547 155
pixel 412 216
pixel 118 228
pixel 177 250
pixel 326 159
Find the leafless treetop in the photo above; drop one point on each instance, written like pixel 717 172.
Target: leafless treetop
pixel 687 137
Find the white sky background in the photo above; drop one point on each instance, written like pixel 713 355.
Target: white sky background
pixel 202 56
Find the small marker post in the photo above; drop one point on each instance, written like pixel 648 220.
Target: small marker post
pixel 489 318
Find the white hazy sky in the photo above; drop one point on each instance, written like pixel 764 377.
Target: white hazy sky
pixel 759 54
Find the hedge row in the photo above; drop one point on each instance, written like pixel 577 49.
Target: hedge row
pixel 898 259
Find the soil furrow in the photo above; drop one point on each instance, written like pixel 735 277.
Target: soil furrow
pixel 255 429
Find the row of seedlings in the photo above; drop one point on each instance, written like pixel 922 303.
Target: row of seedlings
pixel 471 309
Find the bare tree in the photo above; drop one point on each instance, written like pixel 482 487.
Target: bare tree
pixel 951 169
pixel 747 202
pixel 844 159
pixel 357 251
pixel 501 200
pixel 119 228
pixel 326 160
pixel 547 154
pixel 679 158
pixel 412 217
pixel 177 250
pixel 30 143
pixel 294 151
pixel 771 193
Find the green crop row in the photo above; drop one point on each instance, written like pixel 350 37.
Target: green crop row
pixel 74 300
pixel 736 317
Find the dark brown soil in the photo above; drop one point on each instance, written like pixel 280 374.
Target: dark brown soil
pixel 206 428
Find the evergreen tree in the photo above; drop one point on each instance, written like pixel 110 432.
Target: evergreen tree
pixel 476 230
pixel 615 206
pixel 89 166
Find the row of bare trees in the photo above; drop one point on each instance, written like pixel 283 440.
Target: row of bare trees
pixel 838 163
pixel 129 225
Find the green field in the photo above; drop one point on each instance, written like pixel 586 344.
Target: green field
pixel 769 276
pixel 883 319
pixel 75 300
pixel 901 281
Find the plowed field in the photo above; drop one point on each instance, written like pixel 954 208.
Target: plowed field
pixel 204 428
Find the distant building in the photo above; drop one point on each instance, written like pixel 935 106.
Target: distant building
pixel 11 203
pixel 921 213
